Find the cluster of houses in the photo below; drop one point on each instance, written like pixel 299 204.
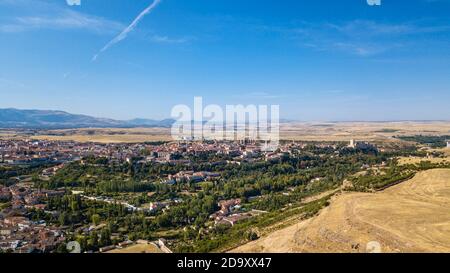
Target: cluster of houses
pixel 49 172
pixel 19 234
pixel 229 213
pixel 32 151
pixel 15 151
pixel 44 151
pixel 25 196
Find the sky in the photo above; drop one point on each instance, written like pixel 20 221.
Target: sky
pixel 320 60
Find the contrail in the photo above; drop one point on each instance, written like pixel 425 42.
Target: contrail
pixel 128 29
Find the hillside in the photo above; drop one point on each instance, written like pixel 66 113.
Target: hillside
pixel 47 119
pixel 409 217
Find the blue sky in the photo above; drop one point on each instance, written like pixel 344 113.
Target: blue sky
pixel 317 59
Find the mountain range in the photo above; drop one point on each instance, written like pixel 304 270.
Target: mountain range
pixel 48 119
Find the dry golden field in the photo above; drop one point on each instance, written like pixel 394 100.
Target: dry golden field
pixel 446 151
pixel 306 131
pixel 109 135
pixel 417 160
pixel 434 160
pixel 107 138
pixel 138 248
pixel 409 217
pixel 364 131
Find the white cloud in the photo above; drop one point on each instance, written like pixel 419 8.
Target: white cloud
pixel 128 29
pixel 168 40
pixel 359 37
pixel 6 83
pixel 43 15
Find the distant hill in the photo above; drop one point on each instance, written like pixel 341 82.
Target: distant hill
pixel 47 119
pixel 139 122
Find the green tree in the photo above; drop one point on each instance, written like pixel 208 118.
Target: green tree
pixel 95 219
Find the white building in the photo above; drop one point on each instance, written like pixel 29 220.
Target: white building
pixel 352 143
pixel 448 143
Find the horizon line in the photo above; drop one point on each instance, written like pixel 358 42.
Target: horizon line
pixel 282 120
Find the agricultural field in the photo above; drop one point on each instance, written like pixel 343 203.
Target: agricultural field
pixel 110 135
pixel 417 160
pixel 137 248
pixel 364 131
pixel 298 131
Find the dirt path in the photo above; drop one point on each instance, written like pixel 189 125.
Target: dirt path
pixel 410 217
